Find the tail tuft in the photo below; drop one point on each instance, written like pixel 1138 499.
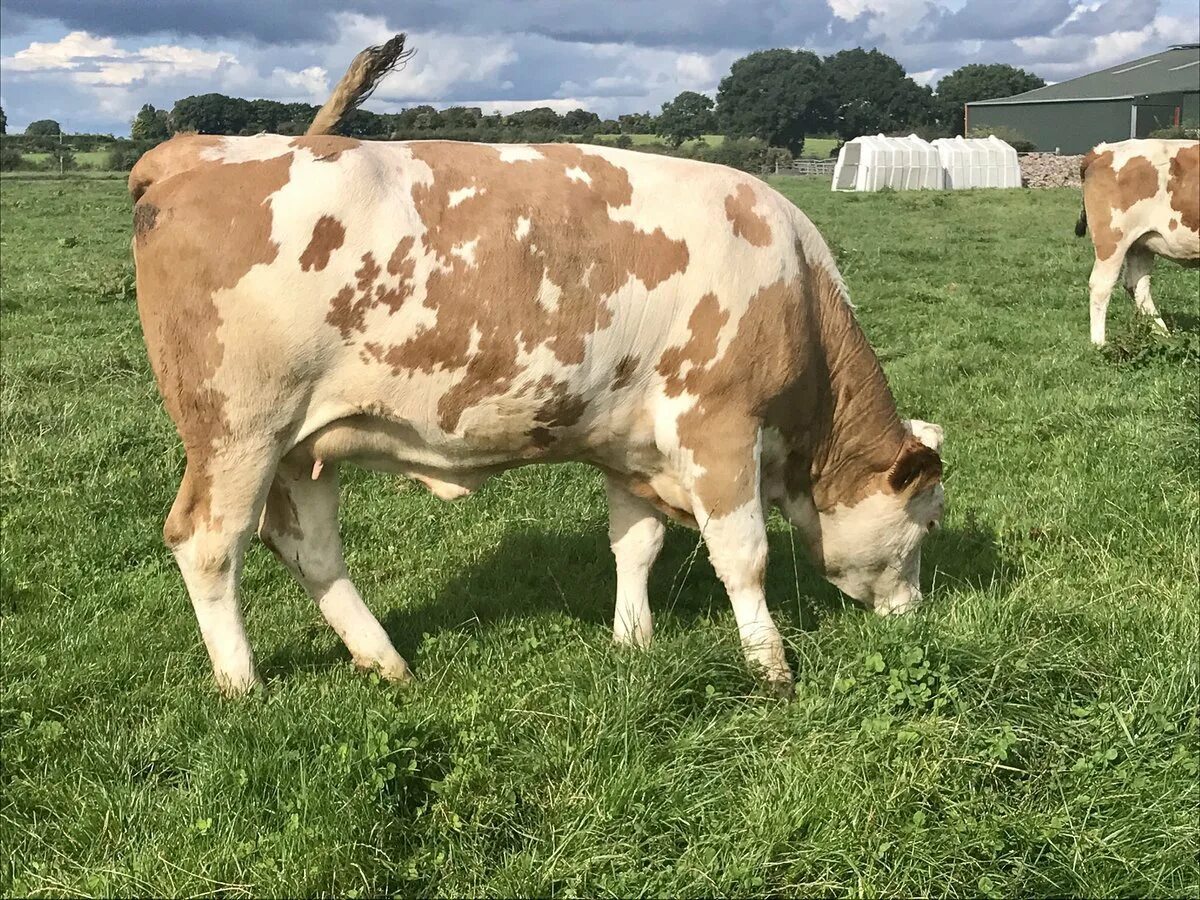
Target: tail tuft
pixel 1081 225
pixel 365 72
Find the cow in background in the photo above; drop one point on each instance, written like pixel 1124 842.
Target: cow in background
pixel 1141 199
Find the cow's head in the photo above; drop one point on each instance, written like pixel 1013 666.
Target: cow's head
pixel 871 550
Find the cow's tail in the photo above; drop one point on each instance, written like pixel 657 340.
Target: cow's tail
pixel 1081 223
pixel 365 72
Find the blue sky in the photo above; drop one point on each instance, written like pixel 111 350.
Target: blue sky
pixel 92 63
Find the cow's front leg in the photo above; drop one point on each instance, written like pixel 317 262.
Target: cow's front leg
pixel 635 533
pixel 728 505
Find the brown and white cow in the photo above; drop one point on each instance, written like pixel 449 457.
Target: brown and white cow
pixel 1141 198
pixel 447 311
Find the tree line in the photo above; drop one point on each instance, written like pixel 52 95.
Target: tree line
pixel 778 96
pixel 774 97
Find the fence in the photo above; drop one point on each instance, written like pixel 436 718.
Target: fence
pixel 803 166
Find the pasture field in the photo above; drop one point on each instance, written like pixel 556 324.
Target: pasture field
pixel 813 146
pixel 93 159
pixel 1032 730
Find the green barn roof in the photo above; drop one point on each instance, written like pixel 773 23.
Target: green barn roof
pixel 1175 70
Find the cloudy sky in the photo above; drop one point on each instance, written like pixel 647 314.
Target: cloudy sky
pixel 91 63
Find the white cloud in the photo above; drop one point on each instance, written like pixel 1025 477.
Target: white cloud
pixel 313 81
pixel 90 60
pixel 70 52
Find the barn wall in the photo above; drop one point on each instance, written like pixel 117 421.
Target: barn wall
pixel 1191 109
pixel 1072 127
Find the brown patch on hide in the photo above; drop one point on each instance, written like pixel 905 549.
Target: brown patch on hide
pixel 348 308
pixel 182 264
pixel 573 242
pixel 705 324
pixel 328 234
pixel 1184 186
pixel 1105 190
pixel 180 153
pixel 747 224
pixel 799 362
pixel 325 147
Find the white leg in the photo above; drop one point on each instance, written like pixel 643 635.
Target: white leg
pixel 1100 285
pixel 299 524
pixel 1138 265
pixel 737 546
pixel 727 501
pixel 635 533
pixel 208 528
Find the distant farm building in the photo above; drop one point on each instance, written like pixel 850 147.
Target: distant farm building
pixel 1125 101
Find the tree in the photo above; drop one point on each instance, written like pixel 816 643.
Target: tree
pixel 636 123
pixel 211 114
pixel 869 93
pixel 461 117
pixel 11 158
pixel 980 82
pixel 685 118
pixel 3 121
pixel 579 121
pixel 62 158
pixel 542 117
pixel 44 128
pixel 775 95
pixel 150 124
pixel 361 123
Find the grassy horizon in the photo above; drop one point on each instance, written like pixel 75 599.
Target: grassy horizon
pixel 1032 730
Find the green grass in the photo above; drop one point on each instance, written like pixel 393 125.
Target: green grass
pixel 1033 730
pixel 86 158
pixel 713 140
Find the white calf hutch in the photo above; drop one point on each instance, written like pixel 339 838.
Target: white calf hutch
pixel 978 163
pixel 872 163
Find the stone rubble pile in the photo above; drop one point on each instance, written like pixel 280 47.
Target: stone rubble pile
pixel 1046 170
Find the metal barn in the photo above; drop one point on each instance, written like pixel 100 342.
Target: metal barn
pixel 1128 100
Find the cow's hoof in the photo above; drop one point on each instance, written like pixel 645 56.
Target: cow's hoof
pixel 784 690
pixel 634 640
pixel 233 688
pixel 897 606
pixel 395 671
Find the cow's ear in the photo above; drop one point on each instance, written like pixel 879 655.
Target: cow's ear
pixel 926 432
pixel 917 466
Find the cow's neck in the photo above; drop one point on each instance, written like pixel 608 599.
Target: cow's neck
pixel 859 432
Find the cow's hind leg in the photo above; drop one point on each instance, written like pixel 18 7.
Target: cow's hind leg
pixel 209 525
pixel 1138 264
pixel 728 506
pixel 1105 273
pixel 300 525
pixel 635 532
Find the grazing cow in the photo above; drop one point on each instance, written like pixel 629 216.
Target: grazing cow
pixel 1141 198
pixel 447 311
